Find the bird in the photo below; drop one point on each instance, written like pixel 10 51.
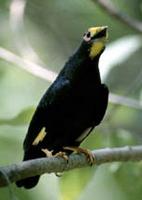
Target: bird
pixel 72 106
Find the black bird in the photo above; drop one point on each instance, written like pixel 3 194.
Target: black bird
pixel 72 106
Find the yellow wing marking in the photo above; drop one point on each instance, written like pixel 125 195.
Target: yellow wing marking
pixel 40 136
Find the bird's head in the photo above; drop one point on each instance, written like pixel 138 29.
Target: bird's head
pixel 96 38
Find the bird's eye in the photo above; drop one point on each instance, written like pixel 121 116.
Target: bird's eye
pixel 88 35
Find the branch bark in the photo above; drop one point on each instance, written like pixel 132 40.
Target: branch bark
pixel 122 17
pixel 15 172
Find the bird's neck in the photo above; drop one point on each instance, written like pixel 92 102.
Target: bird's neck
pixel 83 69
pixel 92 70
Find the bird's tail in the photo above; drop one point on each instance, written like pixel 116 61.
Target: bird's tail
pixel 30 182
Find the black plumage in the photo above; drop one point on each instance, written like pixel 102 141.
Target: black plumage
pixel 74 103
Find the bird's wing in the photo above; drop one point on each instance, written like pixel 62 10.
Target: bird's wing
pixel 101 104
pixel 56 92
pixel 50 101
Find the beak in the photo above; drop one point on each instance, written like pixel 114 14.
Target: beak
pixel 104 27
pixel 104 31
pixel 99 32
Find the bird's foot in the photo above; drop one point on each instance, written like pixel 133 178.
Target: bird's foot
pixel 48 153
pixel 89 156
pixel 62 154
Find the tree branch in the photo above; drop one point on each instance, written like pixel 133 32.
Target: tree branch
pixel 15 172
pixel 125 101
pixel 125 19
pixel 27 65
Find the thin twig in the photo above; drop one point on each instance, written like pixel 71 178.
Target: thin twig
pixel 27 65
pixel 40 166
pixel 122 17
pixel 125 101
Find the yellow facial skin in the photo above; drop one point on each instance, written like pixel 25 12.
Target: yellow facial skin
pixel 98 44
pixel 96 49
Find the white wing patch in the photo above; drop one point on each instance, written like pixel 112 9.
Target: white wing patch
pixel 83 135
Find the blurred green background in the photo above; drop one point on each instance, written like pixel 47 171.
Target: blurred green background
pixel 47 32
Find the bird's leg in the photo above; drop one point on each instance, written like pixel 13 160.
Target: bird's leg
pixel 90 157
